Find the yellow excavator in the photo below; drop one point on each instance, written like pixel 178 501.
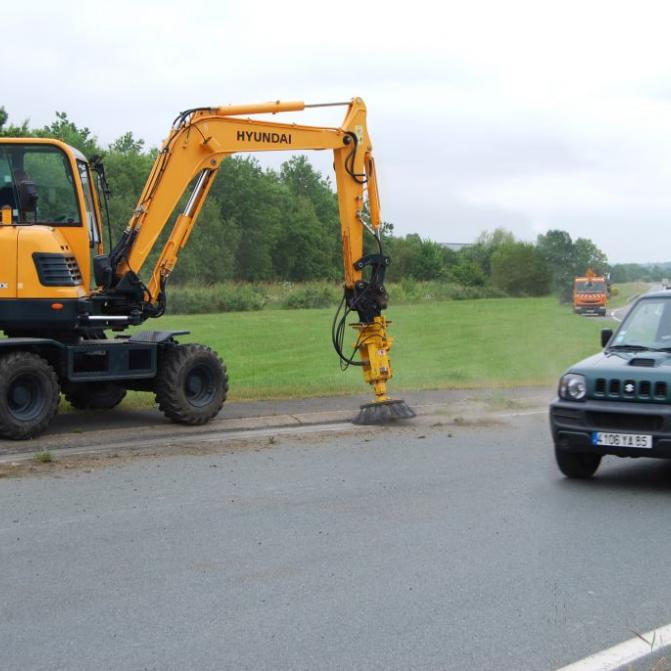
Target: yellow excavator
pixel 61 292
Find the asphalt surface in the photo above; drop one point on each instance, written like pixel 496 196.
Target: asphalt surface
pixel 432 546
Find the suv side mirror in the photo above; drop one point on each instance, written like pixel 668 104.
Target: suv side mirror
pixel 606 335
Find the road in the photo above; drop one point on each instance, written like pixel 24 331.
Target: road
pixel 434 546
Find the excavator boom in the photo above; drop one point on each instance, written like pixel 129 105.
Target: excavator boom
pixel 192 154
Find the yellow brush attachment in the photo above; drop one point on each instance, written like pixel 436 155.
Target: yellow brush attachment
pixel 373 345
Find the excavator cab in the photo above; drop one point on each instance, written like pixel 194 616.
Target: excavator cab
pixel 50 229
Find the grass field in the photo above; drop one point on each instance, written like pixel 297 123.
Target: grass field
pixel 626 292
pixel 490 342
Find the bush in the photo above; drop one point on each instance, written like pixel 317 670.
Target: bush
pixel 467 273
pixel 232 297
pixel 409 291
pixel 520 270
pixel 313 297
pixel 216 298
pixel 472 293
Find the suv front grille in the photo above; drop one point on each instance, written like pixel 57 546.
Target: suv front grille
pixel 627 422
pixel 630 390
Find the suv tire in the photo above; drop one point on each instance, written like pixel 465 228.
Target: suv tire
pixel 577 464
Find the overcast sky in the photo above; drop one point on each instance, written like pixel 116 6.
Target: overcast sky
pixel 526 115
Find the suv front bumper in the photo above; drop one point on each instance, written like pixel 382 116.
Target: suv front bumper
pixel 573 424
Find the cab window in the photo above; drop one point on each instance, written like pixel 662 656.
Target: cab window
pixel 37 183
pixel 590 287
pixel 85 176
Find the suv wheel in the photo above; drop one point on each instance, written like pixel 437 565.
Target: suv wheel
pixel 576 464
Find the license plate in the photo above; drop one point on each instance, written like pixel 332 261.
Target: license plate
pixel 621 439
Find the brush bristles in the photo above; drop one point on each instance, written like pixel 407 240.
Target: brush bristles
pixel 383 412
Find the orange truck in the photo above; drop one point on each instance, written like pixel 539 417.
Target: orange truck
pixel 590 294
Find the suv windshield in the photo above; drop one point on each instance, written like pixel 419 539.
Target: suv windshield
pixel 648 325
pixel 590 287
pixel 36 182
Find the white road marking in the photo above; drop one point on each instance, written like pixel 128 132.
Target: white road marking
pixel 624 653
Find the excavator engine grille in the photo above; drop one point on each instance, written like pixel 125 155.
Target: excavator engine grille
pixel 57 270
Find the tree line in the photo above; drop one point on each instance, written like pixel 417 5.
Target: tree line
pixel 282 225
pixel 632 272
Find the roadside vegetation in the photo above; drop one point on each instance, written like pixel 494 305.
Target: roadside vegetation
pixel 245 297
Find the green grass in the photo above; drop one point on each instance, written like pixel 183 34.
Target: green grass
pixel 625 293
pixel 489 342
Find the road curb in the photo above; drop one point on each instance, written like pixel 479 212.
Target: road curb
pixel 110 439
pixel 78 443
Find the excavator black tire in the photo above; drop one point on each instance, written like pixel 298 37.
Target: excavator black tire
pixel 191 384
pixel 29 395
pixel 95 397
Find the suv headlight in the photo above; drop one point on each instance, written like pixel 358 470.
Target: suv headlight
pixel 573 387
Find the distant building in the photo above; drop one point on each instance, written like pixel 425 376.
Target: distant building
pixel 455 246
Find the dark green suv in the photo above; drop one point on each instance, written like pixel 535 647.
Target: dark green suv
pixel 618 401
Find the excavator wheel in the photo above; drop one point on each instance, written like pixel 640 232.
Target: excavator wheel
pixel 191 384
pixel 29 395
pixel 95 397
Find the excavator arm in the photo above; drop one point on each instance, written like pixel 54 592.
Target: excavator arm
pixel 199 141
